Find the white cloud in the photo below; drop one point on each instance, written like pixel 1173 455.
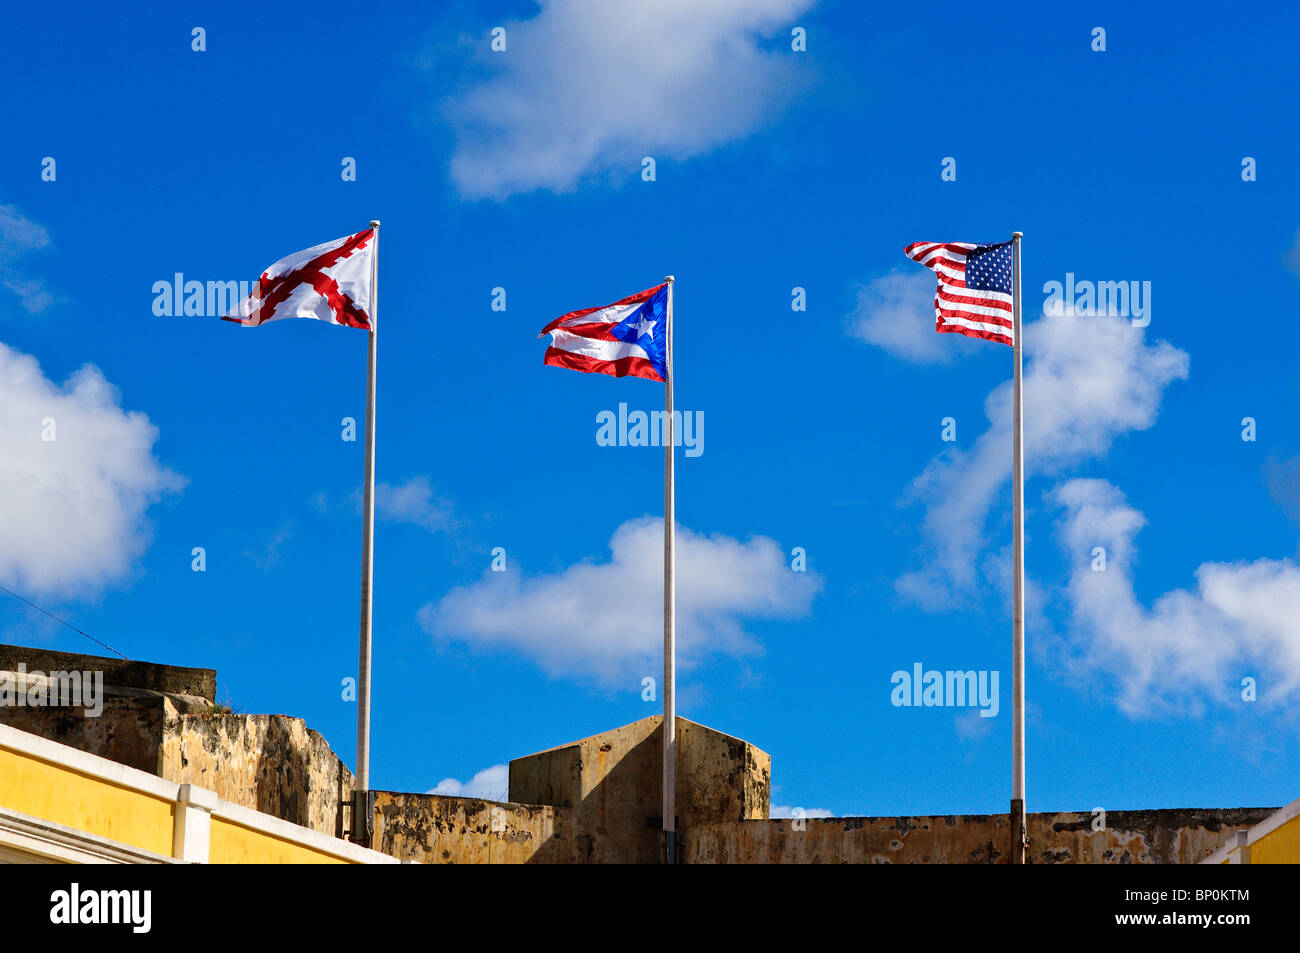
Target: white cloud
pixel 413 502
pixel 267 553
pixel 1282 477
pixel 18 236
pixel 896 313
pixel 491 784
pixel 972 726
pixel 77 503
pixel 1241 619
pixel 778 811
pixel 1088 380
pixel 588 85
pixel 605 620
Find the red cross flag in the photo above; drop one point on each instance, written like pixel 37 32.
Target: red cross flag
pixel 330 282
pixel 338 282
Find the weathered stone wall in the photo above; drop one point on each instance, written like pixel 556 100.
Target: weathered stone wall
pixel 118 673
pixel 1130 837
pixel 604 782
pixel 139 699
pixel 719 777
pixel 272 763
pixel 597 800
pixel 1138 837
pixel 612 783
pixel 128 730
pixel 434 829
pixel 161 719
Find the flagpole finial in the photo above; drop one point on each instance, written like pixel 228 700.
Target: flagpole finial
pixel 669 278
pixel 374 223
pixel 1013 234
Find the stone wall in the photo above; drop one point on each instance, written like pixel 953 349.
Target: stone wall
pixel 612 783
pixel 272 763
pixel 435 829
pixel 162 719
pixel 118 673
pixel 1130 837
pixel 596 800
pixel 128 730
pixel 719 777
pixel 139 700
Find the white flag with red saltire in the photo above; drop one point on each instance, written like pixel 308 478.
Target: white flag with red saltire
pixel 331 282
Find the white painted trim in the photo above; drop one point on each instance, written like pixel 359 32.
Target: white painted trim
pixel 197 797
pixel 1242 840
pixel 192 828
pixel 1275 820
pixel 1239 848
pixel 1219 856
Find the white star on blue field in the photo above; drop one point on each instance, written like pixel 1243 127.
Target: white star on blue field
pixel 646 328
pixel 844 437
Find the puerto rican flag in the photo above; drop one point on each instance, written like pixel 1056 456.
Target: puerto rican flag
pixel 628 338
pixel 332 282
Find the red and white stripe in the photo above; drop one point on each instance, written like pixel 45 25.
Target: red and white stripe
pixel 330 282
pixel 958 309
pixel 581 341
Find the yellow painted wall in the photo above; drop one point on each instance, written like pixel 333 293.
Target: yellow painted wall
pixel 65 796
pixel 230 843
pixel 1281 846
pixel 56 793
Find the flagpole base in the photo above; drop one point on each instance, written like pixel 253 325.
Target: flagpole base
pixel 363 817
pixel 1019 832
pixel 669 847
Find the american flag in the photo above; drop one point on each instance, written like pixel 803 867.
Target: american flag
pixel 974 296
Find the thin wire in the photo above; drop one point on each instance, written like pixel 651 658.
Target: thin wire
pixel 68 624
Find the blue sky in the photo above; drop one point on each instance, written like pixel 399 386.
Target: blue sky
pixel 774 169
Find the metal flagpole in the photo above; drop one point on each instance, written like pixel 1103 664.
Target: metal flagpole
pixel 1019 832
pixel 670 608
pixel 362 813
